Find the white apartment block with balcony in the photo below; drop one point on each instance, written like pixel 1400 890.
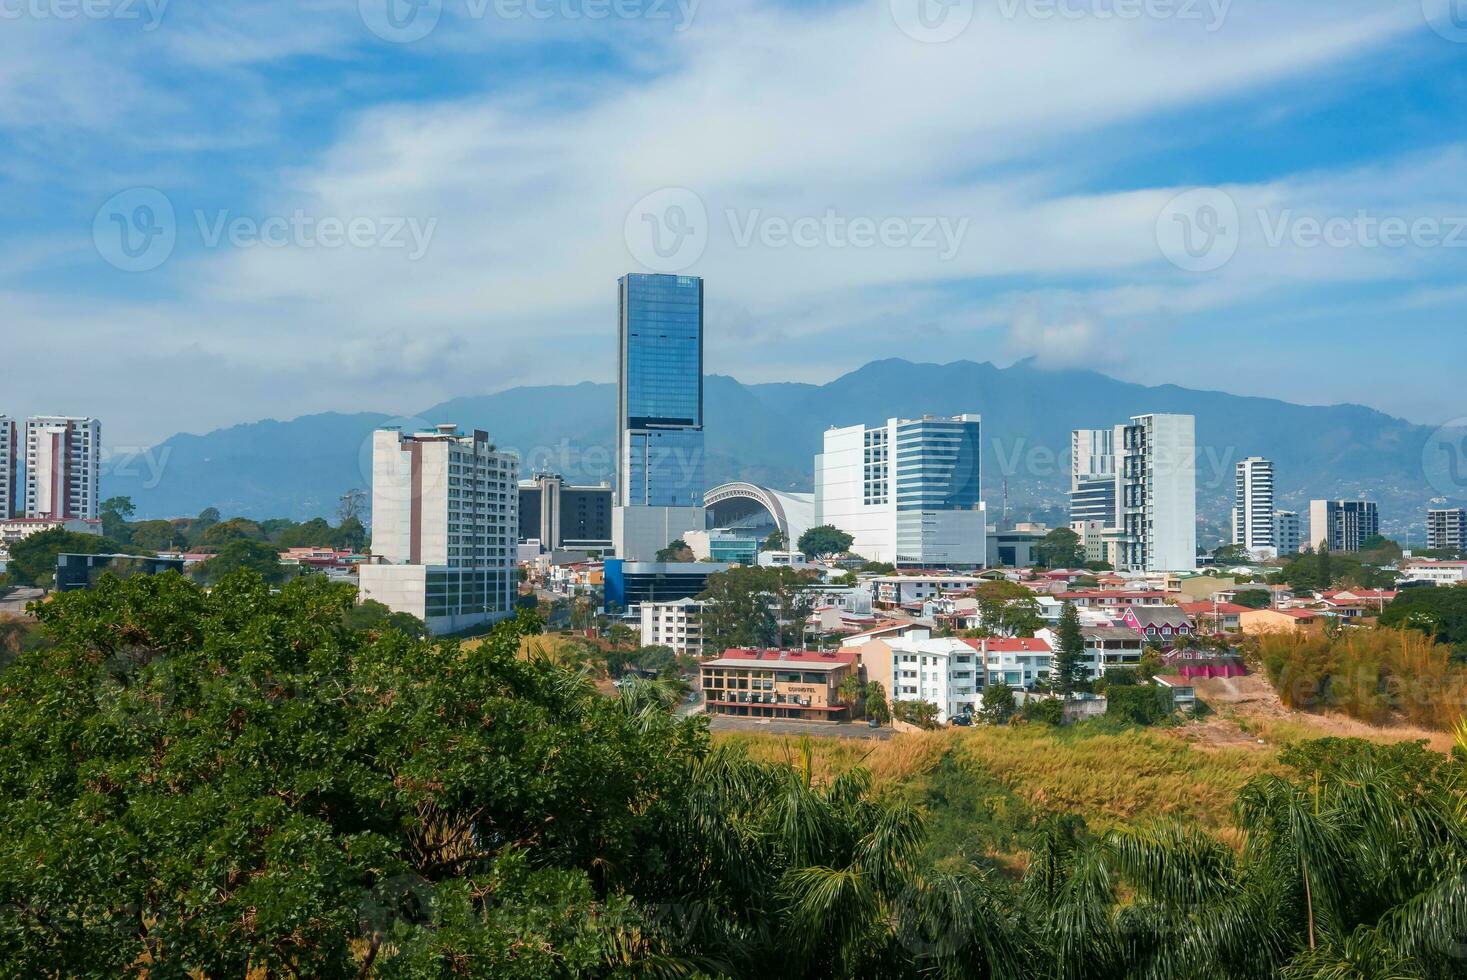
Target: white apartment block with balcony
pixel 945 672
pixel 9 467
pixel 1435 572
pixel 1288 535
pixel 1342 525
pixel 1253 523
pixel 1446 529
pixel 677 625
pixel 907 492
pixel 445 526
pixel 63 467
pixel 1158 494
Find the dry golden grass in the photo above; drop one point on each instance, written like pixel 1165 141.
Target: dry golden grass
pixel 1111 779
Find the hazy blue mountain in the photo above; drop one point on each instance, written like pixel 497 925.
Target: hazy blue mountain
pixel 769 433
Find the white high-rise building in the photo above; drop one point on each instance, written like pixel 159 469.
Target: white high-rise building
pixel 1093 477
pixel 908 491
pixel 445 527
pixel 1158 493
pixel 1342 525
pixel 9 467
pixel 1288 536
pixel 1253 525
pixel 1446 528
pixel 63 467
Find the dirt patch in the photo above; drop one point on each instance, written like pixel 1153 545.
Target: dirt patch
pixel 1247 713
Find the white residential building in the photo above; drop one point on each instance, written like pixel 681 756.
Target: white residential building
pixel 946 672
pixel 1446 529
pixel 1435 572
pixel 1288 536
pixel 901 590
pixel 1342 525
pixel 15 529
pixel 9 467
pixel 1253 523
pixel 677 625
pixel 63 466
pixel 1106 647
pixel 907 492
pixel 445 523
pixel 1158 493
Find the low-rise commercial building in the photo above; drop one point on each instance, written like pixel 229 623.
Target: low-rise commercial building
pixel 1435 572
pixel 785 684
pixel 628 584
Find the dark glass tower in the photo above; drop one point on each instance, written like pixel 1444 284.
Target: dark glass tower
pixel 660 392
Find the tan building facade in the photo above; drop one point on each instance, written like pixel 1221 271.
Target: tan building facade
pixel 790 684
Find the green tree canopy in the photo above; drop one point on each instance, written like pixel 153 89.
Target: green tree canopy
pixel 1071 665
pixel 33 558
pixel 262 559
pixel 824 541
pixel 1060 548
pixel 757 607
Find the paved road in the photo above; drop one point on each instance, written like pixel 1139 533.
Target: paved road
pixel 15 603
pixel 819 729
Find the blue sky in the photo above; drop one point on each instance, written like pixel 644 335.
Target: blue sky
pixel 932 179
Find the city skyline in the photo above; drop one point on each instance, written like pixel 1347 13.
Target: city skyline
pixel 1029 224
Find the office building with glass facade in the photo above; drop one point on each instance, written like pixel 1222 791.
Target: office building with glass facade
pixel 659 445
pixel 908 492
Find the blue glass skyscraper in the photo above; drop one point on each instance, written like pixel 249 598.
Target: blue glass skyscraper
pixel 660 392
pixel 659 413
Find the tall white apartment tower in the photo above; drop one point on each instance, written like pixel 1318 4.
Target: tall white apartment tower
pixel 445 525
pixel 908 491
pixel 1446 529
pixel 1093 477
pixel 1158 493
pixel 1253 526
pixel 9 466
pixel 62 467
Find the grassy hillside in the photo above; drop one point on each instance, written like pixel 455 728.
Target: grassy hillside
pixel 983 788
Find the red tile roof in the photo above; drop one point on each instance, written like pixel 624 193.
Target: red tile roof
pixel 1009 644
pixel 1207 608
pixel 792 656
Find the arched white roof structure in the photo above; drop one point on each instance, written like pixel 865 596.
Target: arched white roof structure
pixel 793 513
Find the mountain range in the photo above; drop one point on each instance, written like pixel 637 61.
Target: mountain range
pixel 769 433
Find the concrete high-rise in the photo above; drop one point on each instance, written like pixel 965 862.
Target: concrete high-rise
pixel 1288 536
pixel 1446 529
pixel 63 467
pixel 659 413
pixel 1253 525
pixel 9 466
pixel 1158 493
pixel 1093 477
pixel 561 516
pixel 1342 525
pixel 908 492
pixel 445 521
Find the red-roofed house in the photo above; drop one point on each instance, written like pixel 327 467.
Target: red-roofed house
pixel 1214 617
pixel 888 630
pixel 777 684
pixel 1256 622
